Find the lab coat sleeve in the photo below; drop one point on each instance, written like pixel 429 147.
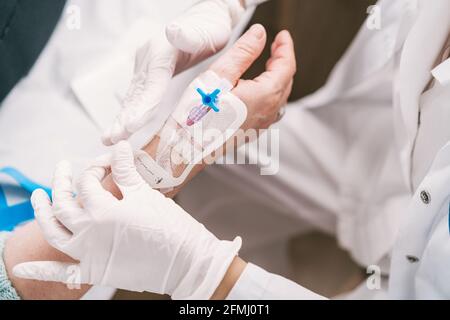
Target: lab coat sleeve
pixel 256 283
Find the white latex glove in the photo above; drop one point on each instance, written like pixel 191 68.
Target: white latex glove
pixel 200 32
pixel 144 242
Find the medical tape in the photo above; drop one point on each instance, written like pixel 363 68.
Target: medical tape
pixel 207 115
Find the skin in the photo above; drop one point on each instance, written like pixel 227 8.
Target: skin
pixel 273 86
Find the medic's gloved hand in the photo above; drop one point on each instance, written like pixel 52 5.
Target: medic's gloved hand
pixel 144 242
pixel 207 26
pixel 200 32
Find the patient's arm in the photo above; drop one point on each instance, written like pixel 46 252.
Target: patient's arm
pixel 273 87
pixel 27 244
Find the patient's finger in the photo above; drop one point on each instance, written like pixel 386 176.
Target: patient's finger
pixel 241 56
pixel 275 82
pixel 282 65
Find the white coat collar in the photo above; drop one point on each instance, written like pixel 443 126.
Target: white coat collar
pixel 421 48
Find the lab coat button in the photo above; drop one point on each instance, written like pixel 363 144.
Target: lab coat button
pixel 425 196
pixel 412 259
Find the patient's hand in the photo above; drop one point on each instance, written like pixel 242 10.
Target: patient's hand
pixel 263 96
pixel 267 93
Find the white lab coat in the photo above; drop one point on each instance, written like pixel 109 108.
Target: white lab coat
pixel 353 153
pixel 59 110
pixel 61 103
pixel 420 263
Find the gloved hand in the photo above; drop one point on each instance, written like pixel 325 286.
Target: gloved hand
pixel 144 242
pixel 200 32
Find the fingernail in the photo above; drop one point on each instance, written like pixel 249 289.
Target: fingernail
pixel 257 31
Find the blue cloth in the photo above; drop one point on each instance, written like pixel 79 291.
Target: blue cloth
pixel 11 216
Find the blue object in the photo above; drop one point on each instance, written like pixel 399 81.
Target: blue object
pixel 210 99
pixel 2 198
pixel 12 216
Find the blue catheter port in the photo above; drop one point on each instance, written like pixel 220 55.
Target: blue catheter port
pixel 210 99
pixel 208 103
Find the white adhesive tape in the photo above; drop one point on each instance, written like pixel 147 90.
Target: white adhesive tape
pixel 193 131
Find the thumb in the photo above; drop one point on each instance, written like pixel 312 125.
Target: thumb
pixel 123 168
pixel 54 271
pixel 235 62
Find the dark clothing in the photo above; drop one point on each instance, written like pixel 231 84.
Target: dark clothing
pixel 25 27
